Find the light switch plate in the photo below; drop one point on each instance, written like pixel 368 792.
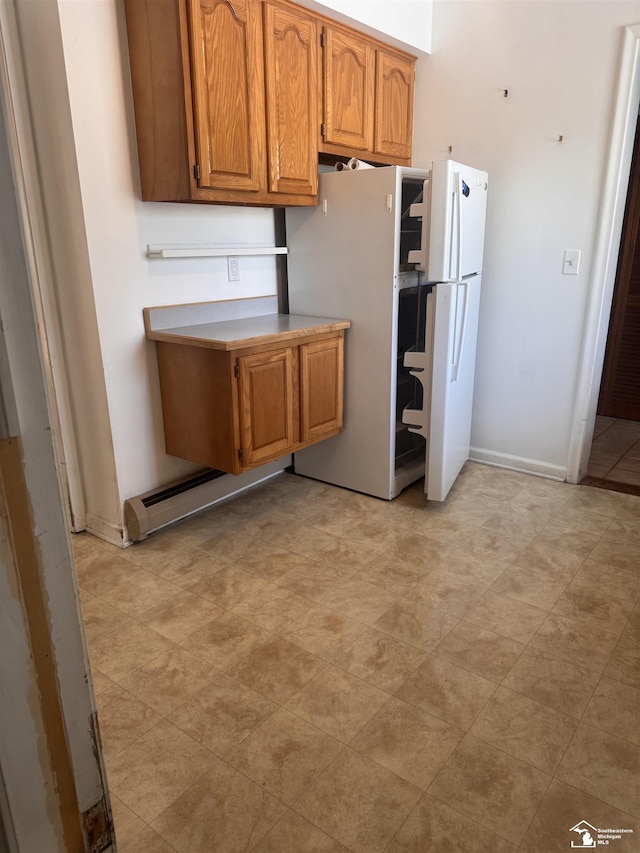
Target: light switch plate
pixel 571 264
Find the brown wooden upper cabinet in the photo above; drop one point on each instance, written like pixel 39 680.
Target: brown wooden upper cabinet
pixel 394 106
pixel 348 89
pixel 228 94
pixel 227 97
pixel 367 98
pixel 291 69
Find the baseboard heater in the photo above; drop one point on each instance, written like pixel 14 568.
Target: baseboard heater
pixel 152 510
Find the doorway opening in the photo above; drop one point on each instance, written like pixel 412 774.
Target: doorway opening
pixel 614 461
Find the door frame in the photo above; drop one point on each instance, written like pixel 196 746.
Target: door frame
pixel 53 787
pixel 605 261
pixel 39 260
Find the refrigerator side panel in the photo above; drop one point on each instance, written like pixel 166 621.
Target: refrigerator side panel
pixel 457 307
pixel 342 262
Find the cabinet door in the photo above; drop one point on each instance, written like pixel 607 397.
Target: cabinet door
pixel 228 93
pixel 349 80
pixel 291 57
pixel 268 409
pixel 394 105
pixel 321 387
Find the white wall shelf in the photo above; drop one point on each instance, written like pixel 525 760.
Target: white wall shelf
pixel 209 250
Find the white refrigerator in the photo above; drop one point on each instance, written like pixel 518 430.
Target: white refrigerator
pixel 398 252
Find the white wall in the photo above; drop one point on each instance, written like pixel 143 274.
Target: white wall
pixel 406 23
pixel 78 67
pixel 559 62
pixel 117 227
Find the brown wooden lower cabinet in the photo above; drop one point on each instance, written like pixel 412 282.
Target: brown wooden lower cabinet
pixel 234 410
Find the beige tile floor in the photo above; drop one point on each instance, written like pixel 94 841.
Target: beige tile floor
pixel 308 669
pixel 615 452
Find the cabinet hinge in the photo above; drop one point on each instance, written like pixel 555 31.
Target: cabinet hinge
pixel 322 39
pixel 236 370
pixel 240 454
pixel 196 172
pixel 322 131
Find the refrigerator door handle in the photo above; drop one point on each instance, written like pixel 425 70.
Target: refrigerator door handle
pixel 459 225
pixel 457 356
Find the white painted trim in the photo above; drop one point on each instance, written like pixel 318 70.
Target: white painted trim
pixel 518 463
pixel 606 255
pixel 38 259
pixel 97 526
pixel 25 376
pixel 209 250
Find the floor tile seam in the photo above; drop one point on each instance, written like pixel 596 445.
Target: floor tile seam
pixel 167 716
pixel 227 666
pixel 491 828
pixel 361 576
pixel 407 642
pixel 590 623
pixel 170 846
pixel 134 696
pixel 113 757
pixel 395 773
pixel 285 705
pixel 163 603
pixel 349 579
pixel 385 768
pixel 289 806
pixel 519 757
pixel 434 605
pixel 202 745
pixel 542 576
pixel 482 628
pixel 389 554
pixel 373 761
pixel 315 602
pixel 528 649
pixel 126 582
pixel 465 817
pixel 585 790
pixel 574 787
pixel 524 642
pixel 323 830
pixel 371 683
pixel 552 778
pixel 623 476
pixel 594 725
pixel 565 551
pixel 282 704
pixel 191 785
pixel 433 713
pixel 498 684
pixel 164 651
pixel 353 618
pixel 618 444
pixel 564 659
pixel 146 825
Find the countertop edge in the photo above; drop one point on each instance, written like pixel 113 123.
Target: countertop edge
pixel 313 329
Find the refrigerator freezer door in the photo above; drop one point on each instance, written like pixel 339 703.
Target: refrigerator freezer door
pixel 456 226
pixel 454 309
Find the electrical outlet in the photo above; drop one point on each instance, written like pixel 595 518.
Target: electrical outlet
pixel 233 268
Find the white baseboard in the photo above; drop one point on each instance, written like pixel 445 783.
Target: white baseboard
pixel 518 463
pixel 105 530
